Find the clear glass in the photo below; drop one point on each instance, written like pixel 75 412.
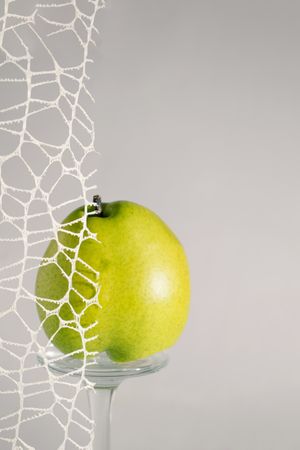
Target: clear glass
pixel 106 375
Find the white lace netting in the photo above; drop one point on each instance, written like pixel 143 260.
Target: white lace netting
pixel 47 163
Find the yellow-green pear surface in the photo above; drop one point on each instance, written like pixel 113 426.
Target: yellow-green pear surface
pixel 115 282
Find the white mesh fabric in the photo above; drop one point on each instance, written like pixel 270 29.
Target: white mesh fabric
pixel 47 164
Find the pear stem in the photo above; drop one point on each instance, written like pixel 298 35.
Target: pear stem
pixel 98 204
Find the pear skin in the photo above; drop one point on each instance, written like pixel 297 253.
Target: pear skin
pixel 116 282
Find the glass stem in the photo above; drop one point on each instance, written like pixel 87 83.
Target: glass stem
pixel 100 403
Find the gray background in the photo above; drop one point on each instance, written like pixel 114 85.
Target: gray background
pixel 197 117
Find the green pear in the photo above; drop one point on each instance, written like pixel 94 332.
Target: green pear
pixel 116 282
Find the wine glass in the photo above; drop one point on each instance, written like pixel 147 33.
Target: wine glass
pixel 105 375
